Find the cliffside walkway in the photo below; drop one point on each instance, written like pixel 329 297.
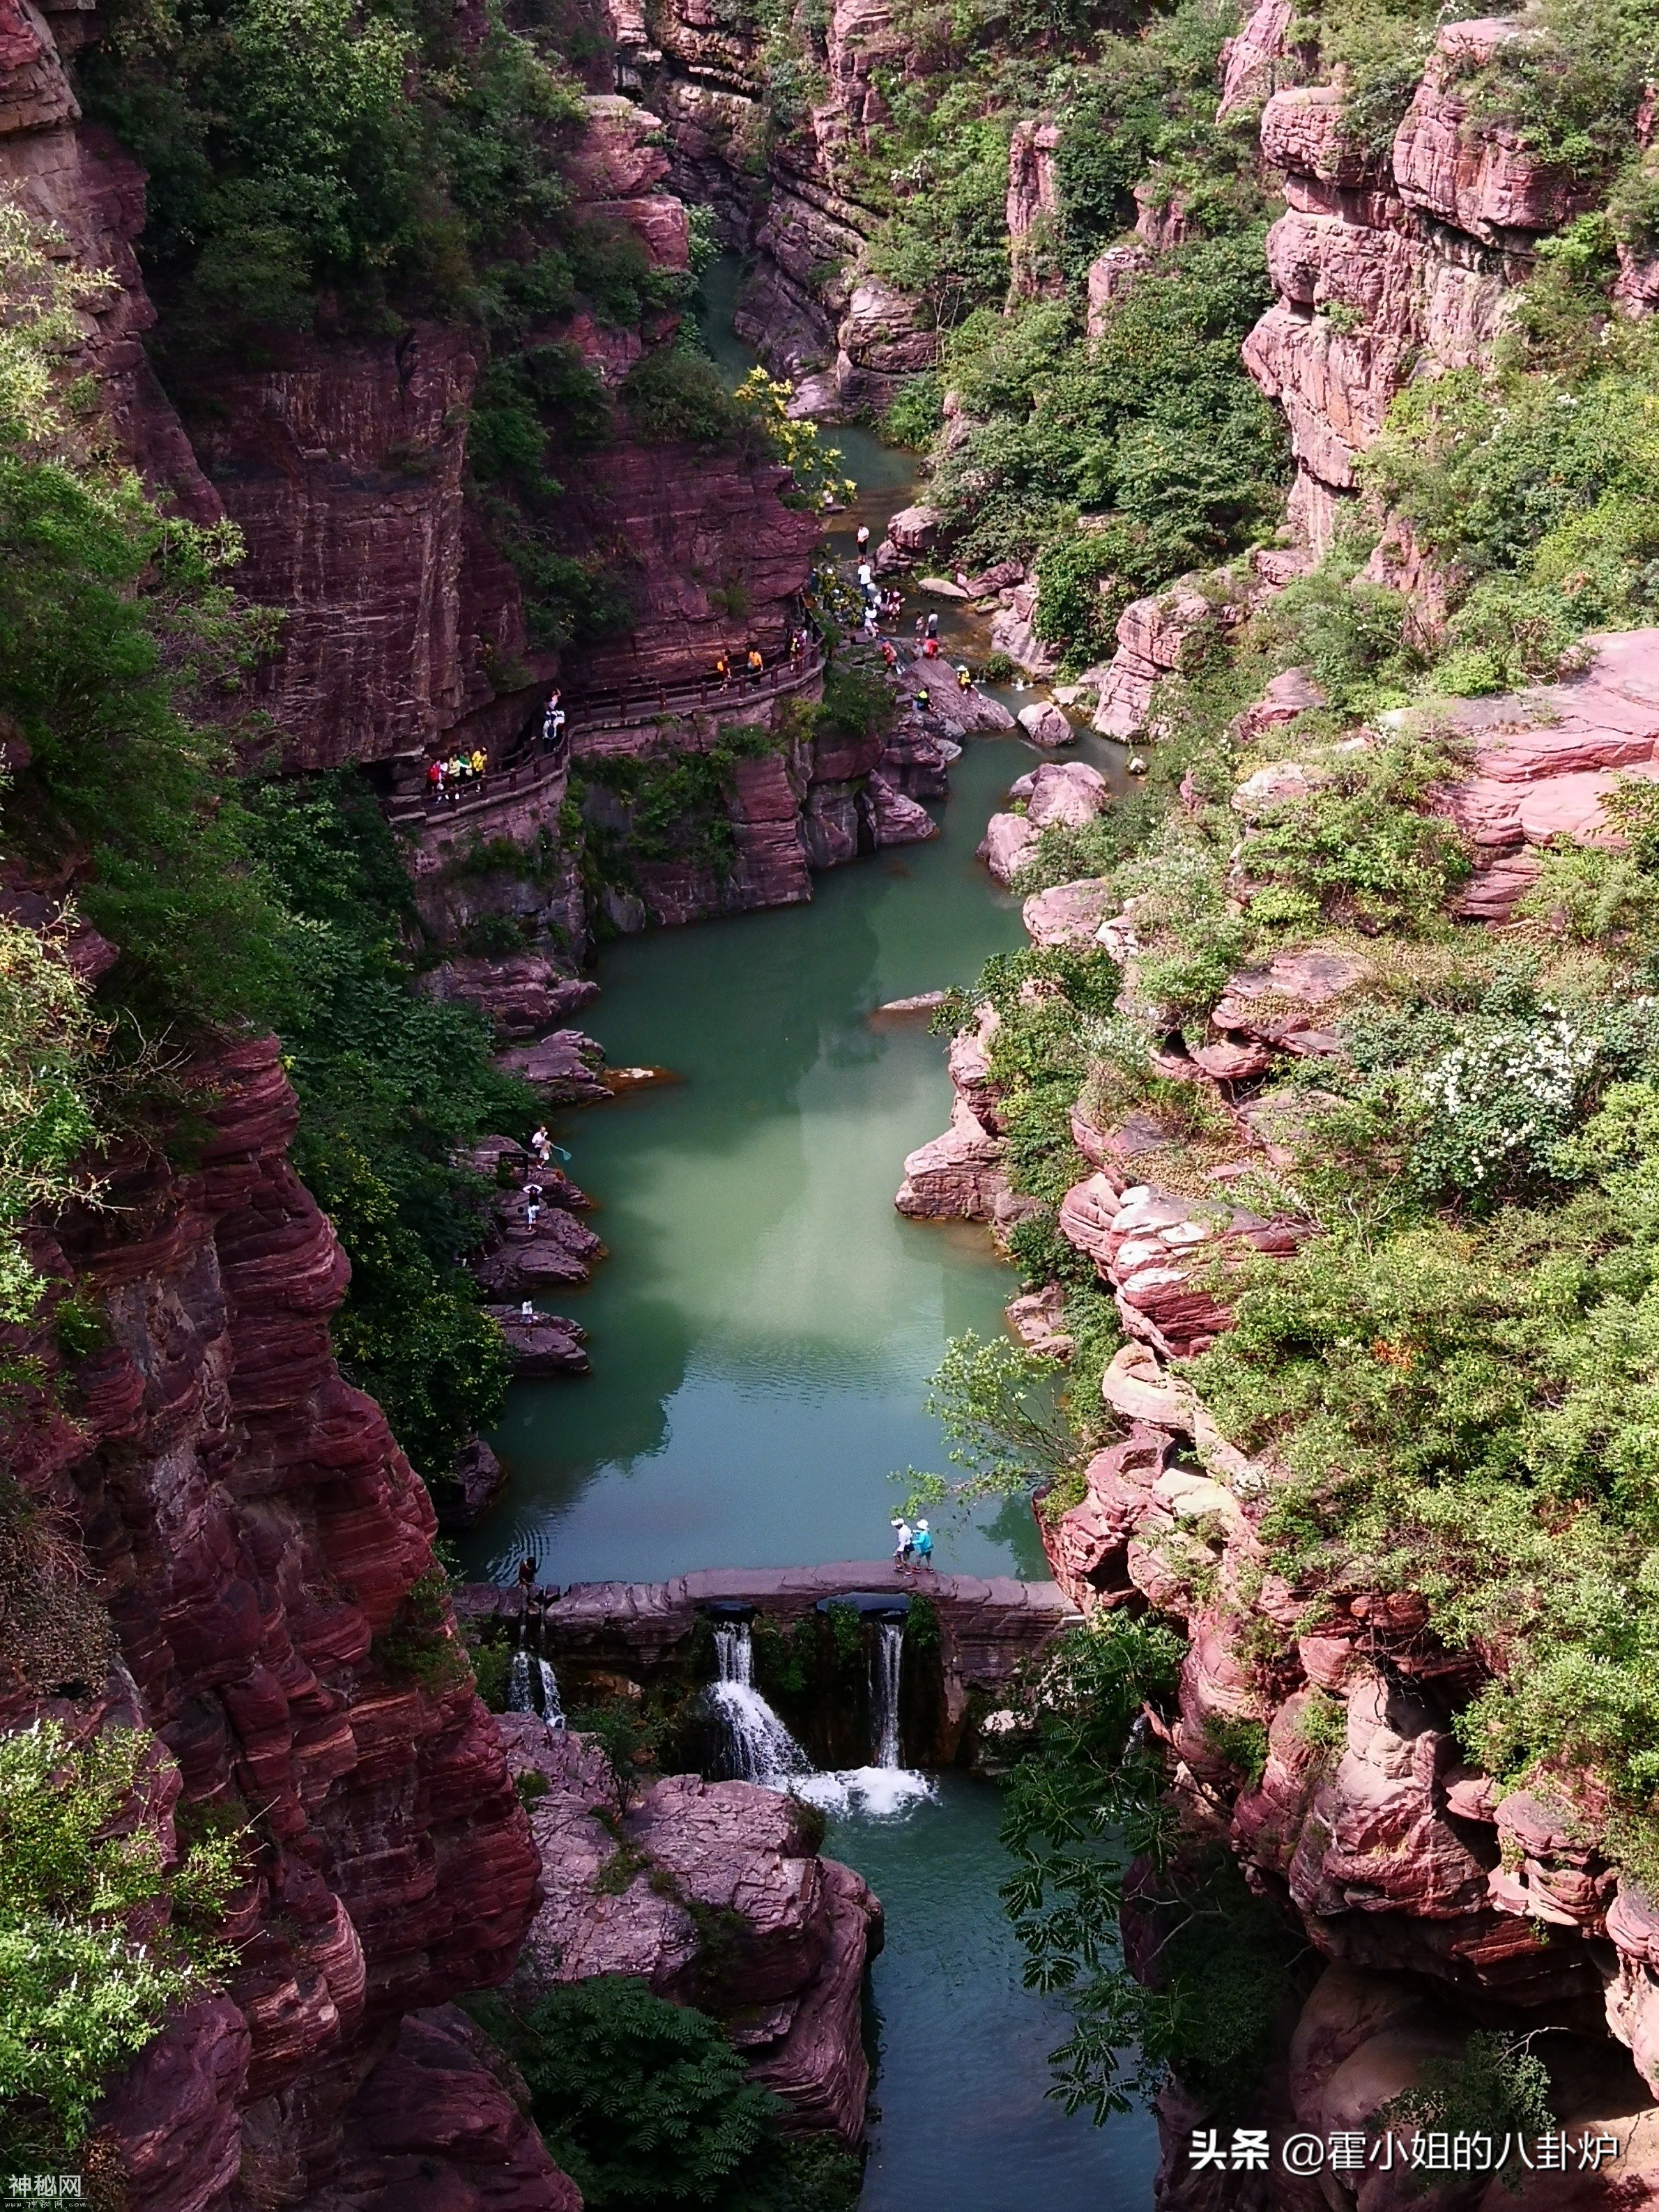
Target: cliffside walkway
pixel 528 765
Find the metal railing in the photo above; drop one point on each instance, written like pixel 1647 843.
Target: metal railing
pixel 529 765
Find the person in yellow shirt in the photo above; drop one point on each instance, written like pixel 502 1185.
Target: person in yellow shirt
pixel 479 762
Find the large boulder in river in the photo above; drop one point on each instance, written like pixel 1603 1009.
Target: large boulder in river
pixel 914 529
pixel 1007 839
pixel 1068 791
pixel 1044 724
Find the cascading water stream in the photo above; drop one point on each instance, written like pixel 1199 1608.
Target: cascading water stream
pixel 758 1747
pixel 885 1694
pixel 518 1699
pixel 552 1707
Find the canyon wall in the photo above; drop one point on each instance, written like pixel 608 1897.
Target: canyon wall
pixel 772 163
pixel 263 1551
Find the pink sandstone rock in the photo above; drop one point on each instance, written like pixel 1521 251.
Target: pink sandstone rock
pixel 1032 203
pixel 442 2124
pixel 1007 839
pixel 1067 791
pixel 1044 724
pixel 520 993
pixel 915 529
pixel 1012 633
pixel 1291 693
pixel 1070 913
pixel 1378 1840
pixel 955 1177
pixel 1470 172
pixel 1111 274
pixel 894 820
pixel 1038 1319
pixel 1302 131
pixel 1249 59
pixel 798 1928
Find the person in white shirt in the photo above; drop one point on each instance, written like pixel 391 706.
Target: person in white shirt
pixel 902 1541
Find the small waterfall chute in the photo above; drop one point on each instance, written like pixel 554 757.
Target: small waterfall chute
pixel 755 1744
pixel 552 1705
pixel 885 1695
pixel 519 1698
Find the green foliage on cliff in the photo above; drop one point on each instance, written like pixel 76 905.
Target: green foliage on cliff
pixel 389 1084
pixel 644 2104
pixel 306 157
pixel 122 644
pixel 1153 430
pixel 98 1937
pixel 1215 1966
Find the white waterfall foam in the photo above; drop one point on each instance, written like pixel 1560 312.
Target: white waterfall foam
pixel 759 1746
pixel 518 1699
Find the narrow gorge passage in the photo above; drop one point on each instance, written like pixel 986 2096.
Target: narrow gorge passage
pixel 763 1332
pixel 761 1336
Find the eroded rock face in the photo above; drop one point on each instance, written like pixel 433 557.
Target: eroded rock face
pixel 72 175
pixel 1379 262
pixel 1163 635
pixel 254 1531
pixel 796 1928
pixel 1545 762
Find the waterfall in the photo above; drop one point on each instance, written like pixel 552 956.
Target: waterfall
pixel 518 1684
pixel 885 1694
pixel 758 1747
pixel 552 1710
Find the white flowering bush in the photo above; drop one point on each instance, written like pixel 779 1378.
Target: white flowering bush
pixel 1495 1107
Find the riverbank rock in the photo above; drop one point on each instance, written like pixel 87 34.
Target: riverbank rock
pixel 442 2124
pixel 541 1344
pixel 1012 633
pixel 1070 793
pixel 1070 913
pixel 564 1068
pixel 525 1257
pixel 1044 724
pixel 521 994
pixel 1007 839
pixel 954 1177
pixel 638 1891
pixel 474 1482
pixel 894 820
pixel 915 530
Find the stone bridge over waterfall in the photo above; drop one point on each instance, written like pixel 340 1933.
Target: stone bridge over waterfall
pixel 648 1630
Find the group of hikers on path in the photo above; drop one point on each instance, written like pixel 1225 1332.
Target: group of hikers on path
pixel 444 777
pixel 880 606
pixel 751 662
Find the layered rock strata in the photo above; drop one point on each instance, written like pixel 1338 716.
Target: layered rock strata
pixel 254 1534
pixel 1386 263
pixel 795 1930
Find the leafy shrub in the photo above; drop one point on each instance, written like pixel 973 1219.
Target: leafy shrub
pixel 390 1083
pixel 915 415
pixel 676 395
pixel 97 1937
pixel 644 2103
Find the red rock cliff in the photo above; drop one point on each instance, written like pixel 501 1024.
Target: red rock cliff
pixel 252 1528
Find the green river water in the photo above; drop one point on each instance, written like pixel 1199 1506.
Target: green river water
pixel 762 1334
